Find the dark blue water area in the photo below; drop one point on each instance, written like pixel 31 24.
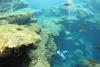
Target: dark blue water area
pixel 90 38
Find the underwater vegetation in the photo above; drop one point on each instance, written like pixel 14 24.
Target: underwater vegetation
pixel 49 33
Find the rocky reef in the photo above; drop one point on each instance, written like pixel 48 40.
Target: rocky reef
pixel 32 41
pixel 24 41
pixel 21 16
pixel 14 36
pixel 46 48
pixel 11 5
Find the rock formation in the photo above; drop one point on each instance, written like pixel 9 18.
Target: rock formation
pixel 11 5
pixel 15 36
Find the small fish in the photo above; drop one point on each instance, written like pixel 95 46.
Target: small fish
pixel 82 30
pixel 19 29
pixel 97 47
pixel 92 62
pixel 67 4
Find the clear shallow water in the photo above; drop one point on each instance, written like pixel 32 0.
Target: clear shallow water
pixel 42 4
pixel 79 39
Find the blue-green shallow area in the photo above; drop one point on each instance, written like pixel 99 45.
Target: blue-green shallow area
pixel 78 42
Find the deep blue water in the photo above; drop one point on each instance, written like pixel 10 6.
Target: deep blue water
pixel 79 39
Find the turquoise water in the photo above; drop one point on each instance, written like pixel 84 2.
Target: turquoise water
pixel 42 4
pixel 79 39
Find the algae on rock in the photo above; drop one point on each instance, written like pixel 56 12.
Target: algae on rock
pixel 11 5
pixel 46 48
pixel 15 36
pixel 22 16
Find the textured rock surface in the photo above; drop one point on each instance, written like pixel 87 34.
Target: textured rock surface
pixel 22 16
pixel 11 5
pixel 15 36
pixel 46 48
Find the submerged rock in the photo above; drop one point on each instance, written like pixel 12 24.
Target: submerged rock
pixel 89 63
pixel 50 28
pixel 42 55
pixel 94 19
pixel 11 5
pixel 71 18
pixel 22 16
pixel 84 13
pixel 14 37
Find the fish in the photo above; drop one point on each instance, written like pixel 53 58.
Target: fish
pixel 44 4
pixel 67 4
pixel 92 62
pixel 97 47
pixel 19 29
pixel 82 30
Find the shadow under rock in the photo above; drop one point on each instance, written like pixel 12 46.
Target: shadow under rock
pixel 22 60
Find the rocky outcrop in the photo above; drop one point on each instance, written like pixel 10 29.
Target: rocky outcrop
pixel 11 5
pixel 20 35
pixel 15 36
pixel 46 48
pixel 22 16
